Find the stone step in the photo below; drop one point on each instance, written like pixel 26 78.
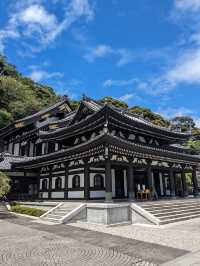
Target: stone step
pixel 169 204
pixel 179 219
pixel 166 217
pixel 174 210
pixel 56 220
pixel 65 209
pixel 60 212
pixel 164 207
pixel 56 216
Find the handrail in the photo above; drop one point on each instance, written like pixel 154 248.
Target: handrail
pixel 147 215
pixel 51 210
pixel 73 213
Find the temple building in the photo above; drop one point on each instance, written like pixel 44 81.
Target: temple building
pixel 95 152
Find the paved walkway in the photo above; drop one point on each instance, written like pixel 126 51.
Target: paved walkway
pixel 183 235
pixel 23 242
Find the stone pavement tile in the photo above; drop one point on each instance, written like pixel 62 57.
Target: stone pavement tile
pixel 134 248
pixel 191 259
pixel 30 247
pixel 185 235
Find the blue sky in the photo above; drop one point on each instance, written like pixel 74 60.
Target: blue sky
pixel 144 52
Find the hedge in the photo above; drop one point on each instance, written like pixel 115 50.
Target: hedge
pixel 27 210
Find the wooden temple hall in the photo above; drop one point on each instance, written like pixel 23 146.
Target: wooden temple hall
pixel 95 152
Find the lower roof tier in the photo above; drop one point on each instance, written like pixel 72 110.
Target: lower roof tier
pixel 107 145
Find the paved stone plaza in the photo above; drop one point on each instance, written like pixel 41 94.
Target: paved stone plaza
pixel 24 242
pixel 182 235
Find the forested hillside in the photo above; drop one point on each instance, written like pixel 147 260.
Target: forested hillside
pixel 19 95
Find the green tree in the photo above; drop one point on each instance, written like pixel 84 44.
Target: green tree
pixel 149 115
pixel 193 144
pixel 5 118
pixel 184 123
pixel 4 184
pixel 7 69
pixel 114 102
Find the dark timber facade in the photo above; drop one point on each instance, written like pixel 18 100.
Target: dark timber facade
pixel 95 152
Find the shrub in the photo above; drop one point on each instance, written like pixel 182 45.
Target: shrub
pixel 27 210
pixel 4 184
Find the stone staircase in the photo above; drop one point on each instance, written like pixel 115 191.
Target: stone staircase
pixel 3 208
pixel 166 212
pixel 57 214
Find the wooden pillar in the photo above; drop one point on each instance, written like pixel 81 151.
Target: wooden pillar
pixel 108 180
pixel 172 182
pixel 149 175
pixel 66 181
pixel 184 183
pixel 86 180
pixel 131 183
pixel 50 182
pixel 195 182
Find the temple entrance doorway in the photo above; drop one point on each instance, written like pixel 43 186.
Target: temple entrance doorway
pixel 178 184
pixel 140 180
pixel 119 183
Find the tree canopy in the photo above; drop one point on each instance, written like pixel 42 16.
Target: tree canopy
pixel 20 96
pixel 149 115
pixel 183 123
pixel 115 102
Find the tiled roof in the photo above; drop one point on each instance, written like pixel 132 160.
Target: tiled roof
pixel 6 159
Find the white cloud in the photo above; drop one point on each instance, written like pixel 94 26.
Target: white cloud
pixel 41 75
pixel 184 68
pixel 125 56
pixel 129 96
pixel 120 83
pixel 197 121
pixel 170 112
pixel 99 51
pixel 33 23
pixel 185 5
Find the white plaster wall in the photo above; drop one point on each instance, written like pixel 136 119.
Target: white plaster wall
pixel 54 179
pixel 113 181
pixel 41 182
pixel 81 180
pixel 92 178
pixel 78 169
pixel 76 194
pixel 57 194
pixel 97 194
pixel 16 149
pixel 59 172
pixel 56 146
pixel 95 168
pixel 10 147
pixel 44 195
pixel 43 147
pixel 44 175
pixel 31 149
pixel 125 183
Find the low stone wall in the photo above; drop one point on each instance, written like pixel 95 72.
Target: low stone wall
pixel 108 214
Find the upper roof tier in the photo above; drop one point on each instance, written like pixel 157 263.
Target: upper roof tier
pixel 60 106
pixel 90 111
